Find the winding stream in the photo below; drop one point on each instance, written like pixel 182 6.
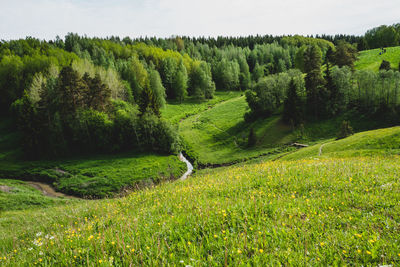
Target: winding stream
pixel 189 167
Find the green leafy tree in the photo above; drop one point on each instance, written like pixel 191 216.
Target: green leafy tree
pixel 11 83
pixel 168 73
pixel 226 74
pixel 345 55
pixel 180 83
pixel 299 58
pixel 258 72
pixel 244 76
pixel 201 84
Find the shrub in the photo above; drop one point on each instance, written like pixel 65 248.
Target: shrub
pixel 385 65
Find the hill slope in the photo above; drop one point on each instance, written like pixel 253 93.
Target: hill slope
pixel 371 60
pixel 330 211
pixel 381 142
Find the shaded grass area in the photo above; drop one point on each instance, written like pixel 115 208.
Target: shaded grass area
pixel 371 60
pixel 91 176
pixel 309 212
pixel 18 195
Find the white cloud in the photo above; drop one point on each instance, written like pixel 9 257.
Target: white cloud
pixel 48 18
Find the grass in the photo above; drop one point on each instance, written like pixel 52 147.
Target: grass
pixel 100 175
pixel 371 60
pixel 93 176
pixel 308 212
pixel 383 142
pixel 219 134
pixel 175 111
pixel 18 195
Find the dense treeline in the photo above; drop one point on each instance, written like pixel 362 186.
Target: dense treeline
pixel 324 94
pixel 382 36
pixel 65 104
pixel 92 94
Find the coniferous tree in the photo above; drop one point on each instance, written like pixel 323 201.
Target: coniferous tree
pixel 252 138
pixel 335 98
pixel 315 87
pixel 98 94
pixel 70 91
pixel 153 97
pixel 293 107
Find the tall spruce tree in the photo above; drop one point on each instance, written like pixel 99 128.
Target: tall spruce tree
pixel 333 94
pixel 293 106
pixel 315 84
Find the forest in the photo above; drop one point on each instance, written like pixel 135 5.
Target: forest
pixel 84 95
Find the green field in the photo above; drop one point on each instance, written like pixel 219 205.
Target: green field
pixel 308 212
pixel 176 111
pixel 18 195
pixel 371 60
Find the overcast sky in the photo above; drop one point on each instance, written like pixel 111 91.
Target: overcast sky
pixel 45 19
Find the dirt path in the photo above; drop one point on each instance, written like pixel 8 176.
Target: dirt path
pixel 47 190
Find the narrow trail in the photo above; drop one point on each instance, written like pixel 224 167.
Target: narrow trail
pixel 189 167
pixel 320 149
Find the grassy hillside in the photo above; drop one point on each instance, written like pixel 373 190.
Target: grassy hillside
pixel 87 176
pixel 18 195
pixel 219 134
pixel 370 59
pixel 381 142
pixel 311 212
pixel 176 111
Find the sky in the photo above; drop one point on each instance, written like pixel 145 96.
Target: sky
pixel 45 19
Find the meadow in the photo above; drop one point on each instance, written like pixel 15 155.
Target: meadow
pixel 371 60
pixel 19 195
pixel 308 212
